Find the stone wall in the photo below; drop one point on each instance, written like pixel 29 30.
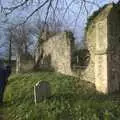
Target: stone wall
pixel 57 52
pixel 103 45
pixel 102 40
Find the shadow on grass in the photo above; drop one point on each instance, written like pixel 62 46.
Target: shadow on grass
pixel 1 112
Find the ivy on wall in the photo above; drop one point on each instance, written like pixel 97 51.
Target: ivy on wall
pixel 96 13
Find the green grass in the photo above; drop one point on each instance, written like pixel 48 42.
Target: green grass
pixel 72 99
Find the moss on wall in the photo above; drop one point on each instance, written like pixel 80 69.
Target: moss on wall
pixel 98 12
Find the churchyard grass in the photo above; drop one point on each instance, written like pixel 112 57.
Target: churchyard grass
pixel 72 99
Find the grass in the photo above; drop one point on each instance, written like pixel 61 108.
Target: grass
pixel 72 99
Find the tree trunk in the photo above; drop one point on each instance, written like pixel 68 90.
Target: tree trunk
pixel 18 62
pixel 10 51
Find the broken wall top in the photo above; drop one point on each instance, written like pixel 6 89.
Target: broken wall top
pixel 101 14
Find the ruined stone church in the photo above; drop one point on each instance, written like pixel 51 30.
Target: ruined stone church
pixel 103 44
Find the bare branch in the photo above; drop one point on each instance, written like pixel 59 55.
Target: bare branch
pixel 11 9
pixel 41 4
pixel 68 6
pixel 85 7
pixel 78 14
pixel 38 8
pixel 48 8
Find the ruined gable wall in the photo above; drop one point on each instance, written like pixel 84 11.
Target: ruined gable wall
pixel 101 55
pixel 59 49
pixel 88 73
pixel 103 43
pixel 96 35
pixel 91 41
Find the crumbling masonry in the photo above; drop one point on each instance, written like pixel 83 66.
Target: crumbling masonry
pixel 103 43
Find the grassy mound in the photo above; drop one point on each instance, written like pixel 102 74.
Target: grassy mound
pixel 71 99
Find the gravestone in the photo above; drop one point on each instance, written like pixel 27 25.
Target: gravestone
pixel 42 90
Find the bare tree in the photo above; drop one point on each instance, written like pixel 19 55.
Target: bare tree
pixel 50 7
pixel 19 42
pixel 44 31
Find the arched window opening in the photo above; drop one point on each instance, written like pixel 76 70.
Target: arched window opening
pixel 80 59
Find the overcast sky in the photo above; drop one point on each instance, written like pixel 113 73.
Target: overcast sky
pixel 70 21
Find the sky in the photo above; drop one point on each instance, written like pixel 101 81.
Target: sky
pixel 72 19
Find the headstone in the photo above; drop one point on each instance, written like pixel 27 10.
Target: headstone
pixel 42 90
